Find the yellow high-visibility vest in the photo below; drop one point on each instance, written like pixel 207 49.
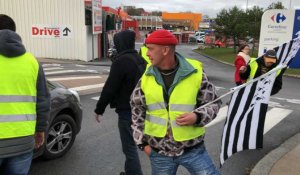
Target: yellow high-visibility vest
pixel 144 50
pixel 183 99
pixel 18 79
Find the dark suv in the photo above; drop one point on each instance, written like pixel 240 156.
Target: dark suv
pixel 64 122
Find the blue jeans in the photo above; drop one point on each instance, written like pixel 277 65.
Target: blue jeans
pixel 17 165
pixel 196 161
pixel 132 162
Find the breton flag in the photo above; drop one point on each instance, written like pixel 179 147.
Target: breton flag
pixel 247 109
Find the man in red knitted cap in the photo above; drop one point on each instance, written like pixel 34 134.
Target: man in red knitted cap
pixel 167 118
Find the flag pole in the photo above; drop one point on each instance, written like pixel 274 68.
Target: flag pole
pixel 232 90
pixel 260 77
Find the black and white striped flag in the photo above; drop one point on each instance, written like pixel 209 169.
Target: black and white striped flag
pixel 244 125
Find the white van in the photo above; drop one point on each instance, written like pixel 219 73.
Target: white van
pixel 199 34
pixel 200 37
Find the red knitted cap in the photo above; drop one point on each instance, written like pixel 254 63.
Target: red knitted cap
pixel 161 37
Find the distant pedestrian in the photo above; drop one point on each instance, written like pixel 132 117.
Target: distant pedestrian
pixel 168 121
pixel 125 71
pixel 144 49
pixel 262 65
pixel 24 102
pixel 241 59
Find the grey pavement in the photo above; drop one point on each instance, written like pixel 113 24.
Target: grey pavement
pixel 95 62
pixel 282 160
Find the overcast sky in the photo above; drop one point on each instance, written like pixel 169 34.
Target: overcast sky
pixel 206 7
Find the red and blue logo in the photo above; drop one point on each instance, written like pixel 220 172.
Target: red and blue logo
pixel 278 18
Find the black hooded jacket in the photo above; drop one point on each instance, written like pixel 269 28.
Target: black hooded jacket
pixel 123 76
pixel 278 81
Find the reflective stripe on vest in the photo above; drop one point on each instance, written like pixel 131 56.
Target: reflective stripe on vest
pixel 17 98
pixel 17 118
pixel 144 50
pixel 18 77
pixel 254 66
pixel 156 120
pixel 182 100
pixel 156 106
pixel 173 107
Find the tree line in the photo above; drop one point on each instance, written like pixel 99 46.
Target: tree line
pixel 237 23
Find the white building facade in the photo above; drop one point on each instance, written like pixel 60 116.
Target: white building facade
pixel 54 28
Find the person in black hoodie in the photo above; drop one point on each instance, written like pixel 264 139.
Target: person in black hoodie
pixel 24 102
pixel 125 72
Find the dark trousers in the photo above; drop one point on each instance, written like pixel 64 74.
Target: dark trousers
pixel 239 83
pixel 132 163
pixel 17 165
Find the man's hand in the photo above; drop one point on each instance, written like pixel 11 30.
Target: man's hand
pixel 186 119
pixel 39 139
pixel 147 150
pixel 243 69
pixel 98 118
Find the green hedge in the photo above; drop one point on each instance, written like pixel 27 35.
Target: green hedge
pixel 227 55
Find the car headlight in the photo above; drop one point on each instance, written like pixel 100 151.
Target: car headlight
pixel 75 93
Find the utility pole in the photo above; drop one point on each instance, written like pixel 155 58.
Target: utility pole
pixel 247 6
pixel 290 4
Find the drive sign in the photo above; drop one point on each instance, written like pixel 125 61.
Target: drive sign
pixel 51 31
pixel 278 27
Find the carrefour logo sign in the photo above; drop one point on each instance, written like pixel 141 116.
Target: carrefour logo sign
pixel 278 18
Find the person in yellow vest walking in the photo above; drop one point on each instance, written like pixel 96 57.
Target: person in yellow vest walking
pixel 24 102
pixel 167 118
pixel 144 49
pixel 257 67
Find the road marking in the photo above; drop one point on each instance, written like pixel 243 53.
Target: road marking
pixel 294 101
pixel 78 65
pixel 220 117
pixel 95 98
pixel 59 72
pixel 72 78
pixel 50 65
pixel 69 71
pixel 274 116
pixel 219 88
pixel 83 88
pixel 275 104
pixel 278 98
pixel 106 70
pixel 53 68
pixel 88 70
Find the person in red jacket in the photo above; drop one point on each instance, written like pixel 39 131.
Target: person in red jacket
pixel 241 59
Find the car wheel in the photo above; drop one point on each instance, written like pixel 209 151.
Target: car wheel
pixel 60 137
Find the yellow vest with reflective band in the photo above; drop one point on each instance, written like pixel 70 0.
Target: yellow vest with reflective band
pixel 182 100
pixel 144 50
pixel 254 66
pixel 18 78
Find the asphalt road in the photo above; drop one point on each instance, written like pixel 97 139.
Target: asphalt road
pixel 97 148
